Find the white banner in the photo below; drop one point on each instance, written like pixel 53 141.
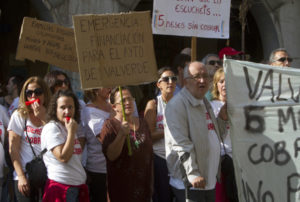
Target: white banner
pixel 264 112
pixel 199 18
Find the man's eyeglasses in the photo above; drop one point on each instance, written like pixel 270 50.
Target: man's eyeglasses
pixel 213 62
pixel 168 79
pixel 37 92
pixel 128 99
pixel 283 59
pixel 59 82
pixel 198 76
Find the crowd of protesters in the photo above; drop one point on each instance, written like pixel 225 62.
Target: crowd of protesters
pixel 176 149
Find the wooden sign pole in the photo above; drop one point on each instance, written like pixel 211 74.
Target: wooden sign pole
pixel 194 49
pixel 124 117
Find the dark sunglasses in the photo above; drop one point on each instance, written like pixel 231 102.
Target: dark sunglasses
pixel 168 79
pixel 283 59
pixel 37 92
pixel 61 82
pixel 213 62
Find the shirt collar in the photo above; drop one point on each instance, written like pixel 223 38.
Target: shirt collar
pixel 194 101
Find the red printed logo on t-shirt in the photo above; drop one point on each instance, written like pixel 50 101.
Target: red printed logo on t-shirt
pixel 37 131
pixel 77 147
pixel 210 125
pixel 159 118
pixel 34 140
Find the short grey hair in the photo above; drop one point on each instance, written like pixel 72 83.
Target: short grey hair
pixel 272 55
pixel 186 70
pixel 205 59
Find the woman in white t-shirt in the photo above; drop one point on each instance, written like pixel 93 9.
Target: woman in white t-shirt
pixel 96 112
pixel 154 115
pixel 3 125
pixel 227 189
pixel 26 124
pixel 66 176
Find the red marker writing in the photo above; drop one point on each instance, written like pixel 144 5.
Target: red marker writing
pixel 68 118
pixel 32 101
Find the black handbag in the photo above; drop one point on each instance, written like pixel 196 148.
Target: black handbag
pixel 36 169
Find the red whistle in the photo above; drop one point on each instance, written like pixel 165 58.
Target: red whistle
pixel 68 118
pixel 32 101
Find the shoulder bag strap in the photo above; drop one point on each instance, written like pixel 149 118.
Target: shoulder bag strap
pixel 25 127
pixel 213 118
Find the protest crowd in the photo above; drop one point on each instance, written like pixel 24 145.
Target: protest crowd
pixel 175 147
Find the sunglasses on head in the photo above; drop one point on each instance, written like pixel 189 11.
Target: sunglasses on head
pixel 61 82
pixel 37 92
pixel 213 62
pixel 168 79
pixel 283 59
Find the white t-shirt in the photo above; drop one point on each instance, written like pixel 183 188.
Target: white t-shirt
pixel 17 125
pixel 94 119
pixel 3 124
pixel 4 120
pixel 214 158
pixel 81 130
pixel 217 105
pixel 159 146
pixel 70 173
pixel 14 105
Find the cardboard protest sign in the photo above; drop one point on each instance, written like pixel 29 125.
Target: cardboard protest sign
pixel 264 112
pixel 198 18
pixel 47 42
pixel 115 49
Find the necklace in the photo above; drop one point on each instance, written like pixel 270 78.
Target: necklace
pixel 136 142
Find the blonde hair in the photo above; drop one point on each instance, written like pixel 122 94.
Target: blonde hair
pixel 24 110
pixel 218 74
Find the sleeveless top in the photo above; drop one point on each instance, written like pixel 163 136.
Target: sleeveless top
pixel 159 146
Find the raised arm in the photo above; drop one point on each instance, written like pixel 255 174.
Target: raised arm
pixel 115 148
pixel 150 117
pixel 64 152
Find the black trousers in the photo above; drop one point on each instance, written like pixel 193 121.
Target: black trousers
pixel 195 195
pixel 97 186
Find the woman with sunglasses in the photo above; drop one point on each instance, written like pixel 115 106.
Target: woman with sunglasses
pixel 226 191
pixel 154 115
pixel 66 176
pixel 96 112
pixel 57 80
pixel 129 176
pixel 25 128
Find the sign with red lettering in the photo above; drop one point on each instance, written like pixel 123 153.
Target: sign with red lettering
pixel 47 42
pixel 198 18
pixel 264 111
pixel 115 49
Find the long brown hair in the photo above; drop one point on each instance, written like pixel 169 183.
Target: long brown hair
pixel 52 109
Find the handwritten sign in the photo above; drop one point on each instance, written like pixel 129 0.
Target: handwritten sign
pixel 264 111
pixel 199 18
pixel 115 49
pixel 47 42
